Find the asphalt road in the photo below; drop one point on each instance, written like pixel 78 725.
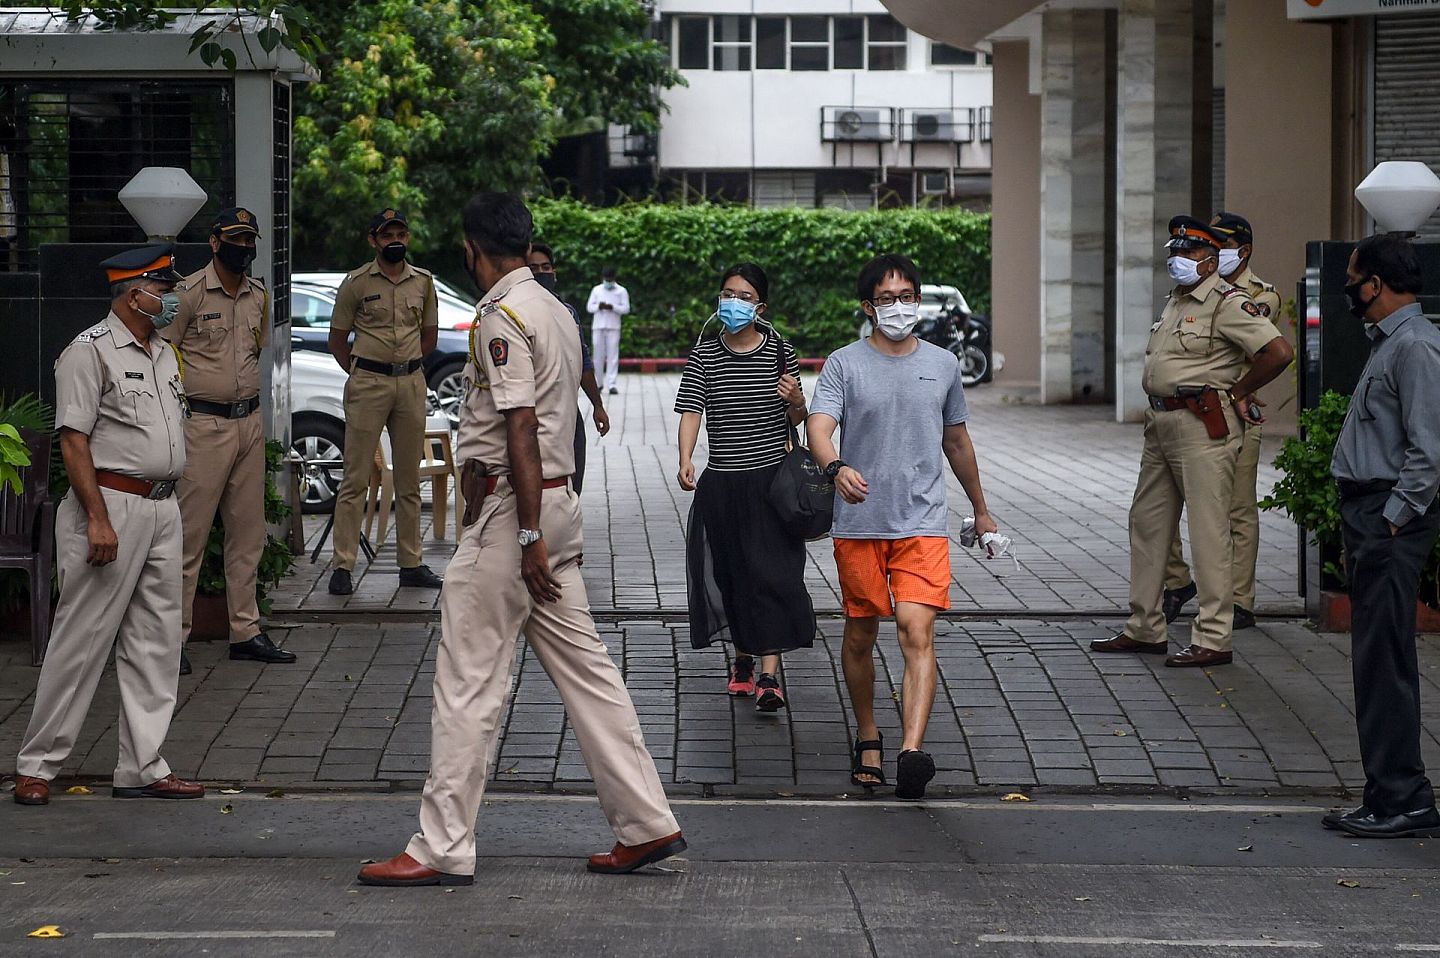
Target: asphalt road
pixel 273 876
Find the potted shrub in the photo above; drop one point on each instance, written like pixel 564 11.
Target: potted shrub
pixel 26 411
pixel 1307 494
pixel 210 618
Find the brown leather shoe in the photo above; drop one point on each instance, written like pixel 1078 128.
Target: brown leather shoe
pixel 623 859
pixel 1123 643
pixel 167 787
pixel 402 870
pixel 1198 657
pixel 31 791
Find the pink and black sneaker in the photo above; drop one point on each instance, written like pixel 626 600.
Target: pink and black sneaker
pixel 770 697
pixel 742 677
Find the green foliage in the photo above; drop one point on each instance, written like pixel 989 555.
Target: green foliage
pixel 14 456
pixel 276 559
pixel 670 258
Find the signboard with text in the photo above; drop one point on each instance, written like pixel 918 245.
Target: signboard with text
pixel 1317 9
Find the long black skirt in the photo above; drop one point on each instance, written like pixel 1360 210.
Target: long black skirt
pixel 746 573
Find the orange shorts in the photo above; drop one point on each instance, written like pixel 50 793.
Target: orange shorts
pixel 874 573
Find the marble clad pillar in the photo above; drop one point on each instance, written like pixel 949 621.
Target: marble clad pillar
pixel 1073 225
pixel 1154 108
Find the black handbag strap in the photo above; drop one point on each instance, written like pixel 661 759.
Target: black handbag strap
pixel 792 432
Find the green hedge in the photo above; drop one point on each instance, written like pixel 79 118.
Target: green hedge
pixel 671 257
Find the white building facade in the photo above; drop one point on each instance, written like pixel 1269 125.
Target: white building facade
pixel 820 103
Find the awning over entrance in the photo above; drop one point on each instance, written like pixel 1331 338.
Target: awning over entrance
pixel 961 23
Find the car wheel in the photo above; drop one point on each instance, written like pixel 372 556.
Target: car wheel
pixel 448 381
pixel 320 443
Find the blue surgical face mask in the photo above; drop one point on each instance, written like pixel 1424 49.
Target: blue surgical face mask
pixel 735 314
pixel 169 308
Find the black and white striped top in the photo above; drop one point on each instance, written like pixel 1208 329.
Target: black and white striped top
pixel 744 419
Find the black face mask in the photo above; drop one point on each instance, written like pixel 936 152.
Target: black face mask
pixel 1358 306
pixel 236 259
pixel 547 280
pixel 393 252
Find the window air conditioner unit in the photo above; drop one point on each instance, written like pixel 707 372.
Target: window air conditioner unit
pixel 936 126
pixel 856 124
pixel 936 183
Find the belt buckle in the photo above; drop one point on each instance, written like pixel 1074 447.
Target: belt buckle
pixel 161 489
pixel 1157 403
pixel 239 410
pixel 399 369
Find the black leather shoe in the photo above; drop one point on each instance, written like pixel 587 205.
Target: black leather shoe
pixel 420 577
pixel 1332 821
pixel 340 583
pixel 1244 619
pixel 1424 823
pixel 184 663
pixel 261 649
pixel 1175 600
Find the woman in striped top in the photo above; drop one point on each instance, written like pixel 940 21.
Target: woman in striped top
pixel 746 573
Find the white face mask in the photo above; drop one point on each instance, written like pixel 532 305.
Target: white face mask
pixel 1229 261
pixel 897 320
pixel 1185 272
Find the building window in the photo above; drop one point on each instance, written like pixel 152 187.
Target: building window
pixel 732 43
pixel 849 43
pixel 809 43
pixel 692 43
pixel 770 43
pixel 944 55
pixel 885 43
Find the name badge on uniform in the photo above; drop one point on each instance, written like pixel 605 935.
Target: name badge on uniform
pixel 371 299
pixel 134 375
pixel 210 316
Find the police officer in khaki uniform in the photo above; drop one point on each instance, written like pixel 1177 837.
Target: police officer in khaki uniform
pixel 224 323
pixel 1234 232
pixel 120 409
pixel 391 308
pixel 517 569
pixel 1208 354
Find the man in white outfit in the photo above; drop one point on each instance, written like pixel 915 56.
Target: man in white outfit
pixel 608 302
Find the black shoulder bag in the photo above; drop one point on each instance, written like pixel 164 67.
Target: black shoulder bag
pixel 801 494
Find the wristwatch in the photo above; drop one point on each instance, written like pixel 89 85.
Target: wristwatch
pixel 528 537
pixel 833 470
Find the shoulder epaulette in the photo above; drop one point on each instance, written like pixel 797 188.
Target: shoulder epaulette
pixel 421 270
pixel 93 333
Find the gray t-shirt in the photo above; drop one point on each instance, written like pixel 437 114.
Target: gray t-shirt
pixel 892 411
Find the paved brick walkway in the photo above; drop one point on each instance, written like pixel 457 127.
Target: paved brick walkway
pixel 1058 478
pixel 1022 702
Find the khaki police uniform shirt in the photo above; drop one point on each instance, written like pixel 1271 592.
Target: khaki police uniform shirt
pixel 1205 337
pixel 125 398
pixel 1265 296
pixel 386 316
pixel 221 337
pixel 532 359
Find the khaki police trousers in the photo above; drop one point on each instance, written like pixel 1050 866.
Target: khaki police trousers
pixel 225 470
pixel 374 402
pixel 1244 528
pixel 136 597
pixel 484 607
pixel 1181 467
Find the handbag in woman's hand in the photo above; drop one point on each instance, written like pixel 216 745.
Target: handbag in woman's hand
pixel 801 494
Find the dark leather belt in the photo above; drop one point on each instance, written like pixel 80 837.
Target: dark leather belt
pixel 160 489
pixel 1166 403
pixel 491 482
pixel 1350 489
pixel 388 369
pixel 225 410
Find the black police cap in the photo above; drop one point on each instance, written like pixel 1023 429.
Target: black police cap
pixel 235 221
pixel 155 261
pixel 1186 232
pixel 1233 226
pixel 386 217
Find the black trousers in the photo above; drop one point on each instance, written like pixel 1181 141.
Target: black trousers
pixel 1384 575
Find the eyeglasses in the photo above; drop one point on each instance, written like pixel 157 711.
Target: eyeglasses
pixel 732 294
pixel 885 299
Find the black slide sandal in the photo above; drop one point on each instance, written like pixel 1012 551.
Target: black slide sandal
pixel 876 744
pixel 913 771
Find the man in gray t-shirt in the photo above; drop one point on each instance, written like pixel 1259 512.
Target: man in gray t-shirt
pixel 901 410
